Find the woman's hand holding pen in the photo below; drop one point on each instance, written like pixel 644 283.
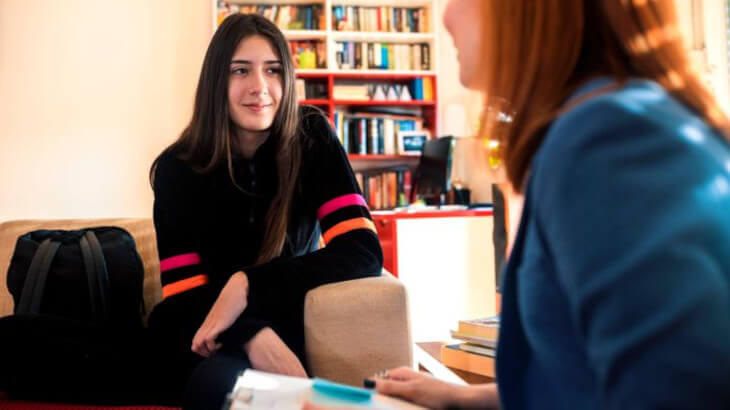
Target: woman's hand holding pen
pixel 427 391
pixel 231 302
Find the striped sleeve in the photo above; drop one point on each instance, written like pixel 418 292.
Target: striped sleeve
pixel 343 214
pixel 352 249
pixel 181 267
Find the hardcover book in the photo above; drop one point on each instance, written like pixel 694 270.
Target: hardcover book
pixel 487 328
pixel 454 356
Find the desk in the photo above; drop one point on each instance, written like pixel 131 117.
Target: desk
pixel 445 259
pixel 434 350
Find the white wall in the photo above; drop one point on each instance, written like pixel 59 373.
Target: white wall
pixel 91 91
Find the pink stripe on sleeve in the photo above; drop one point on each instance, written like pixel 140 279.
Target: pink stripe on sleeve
pixel 340 202
pixel 179 261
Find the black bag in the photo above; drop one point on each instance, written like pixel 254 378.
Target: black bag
pixel 93 275
pixel 76 334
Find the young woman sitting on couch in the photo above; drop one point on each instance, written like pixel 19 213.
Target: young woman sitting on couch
pixel 241 200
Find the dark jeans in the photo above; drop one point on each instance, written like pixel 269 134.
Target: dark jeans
pixel 213 379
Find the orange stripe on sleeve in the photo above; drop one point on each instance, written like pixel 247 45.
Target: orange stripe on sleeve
pixel 347 226
pixel 184 285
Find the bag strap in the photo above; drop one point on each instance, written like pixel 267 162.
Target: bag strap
pixel 35 279
pixel 101 270
pixel 96 274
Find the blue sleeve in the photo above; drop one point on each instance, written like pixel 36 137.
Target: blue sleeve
pixel 635 209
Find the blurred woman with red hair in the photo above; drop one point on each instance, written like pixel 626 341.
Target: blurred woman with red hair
pixel 617 290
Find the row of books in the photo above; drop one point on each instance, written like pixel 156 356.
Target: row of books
pixel 309 54
pixel 304 17
pixel 478 351
pixel 387 19
pixel 368 133
pixel 310 90
pixel 361 55
pixel 385 190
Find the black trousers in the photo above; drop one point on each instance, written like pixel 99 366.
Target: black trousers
pixel 213 379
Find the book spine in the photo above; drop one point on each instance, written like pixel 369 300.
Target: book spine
pixel 358 55
pixel 425 57
pixel 470 362
pixel 363 134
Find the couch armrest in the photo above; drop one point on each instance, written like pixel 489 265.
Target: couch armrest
pixel 354 328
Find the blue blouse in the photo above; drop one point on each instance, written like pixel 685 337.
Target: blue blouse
pixel 617 292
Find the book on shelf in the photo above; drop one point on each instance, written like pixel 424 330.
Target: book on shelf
pixel 380 19
pixel 300 89
pixel 373 133
pixel 385 189
pixel 310 89
pixel 457 357
pixel 286 17
pixel 351 91
pixel 422 89
pixel 360 55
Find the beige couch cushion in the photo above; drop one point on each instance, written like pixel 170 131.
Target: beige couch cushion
pixel 356 328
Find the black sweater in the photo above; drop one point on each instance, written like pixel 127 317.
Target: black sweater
pixel 207 229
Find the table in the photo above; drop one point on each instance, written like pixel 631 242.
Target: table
pixel 434 349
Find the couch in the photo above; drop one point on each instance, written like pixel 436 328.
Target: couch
pixel 368 331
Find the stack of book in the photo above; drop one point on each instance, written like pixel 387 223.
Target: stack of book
pixel 476 354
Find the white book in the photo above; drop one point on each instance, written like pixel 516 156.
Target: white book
pixel 300 88
pixel 255 389
pixel 377 55
pixel 389 136
pixel 416 60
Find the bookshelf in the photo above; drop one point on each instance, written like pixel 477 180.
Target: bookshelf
pixel 355 36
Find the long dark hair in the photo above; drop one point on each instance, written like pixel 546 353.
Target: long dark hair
pixel 579 39
pixel 206 142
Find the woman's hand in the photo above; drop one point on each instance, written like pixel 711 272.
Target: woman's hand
pixel 227 308
pixel 427 391
pixel 269 353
